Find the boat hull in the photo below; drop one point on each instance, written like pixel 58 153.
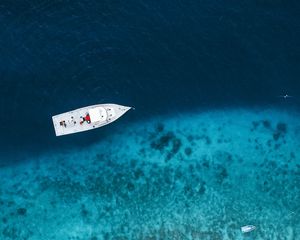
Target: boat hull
pixel 87 118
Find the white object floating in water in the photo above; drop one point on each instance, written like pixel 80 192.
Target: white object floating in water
pixel 87 118
pixel 248 228
pixel 285 96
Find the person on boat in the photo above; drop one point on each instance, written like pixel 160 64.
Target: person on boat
pixel 86 119
pixel 63 123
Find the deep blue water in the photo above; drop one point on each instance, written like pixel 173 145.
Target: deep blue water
pixel 159 56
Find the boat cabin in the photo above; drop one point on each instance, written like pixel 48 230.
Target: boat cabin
pixel 97 114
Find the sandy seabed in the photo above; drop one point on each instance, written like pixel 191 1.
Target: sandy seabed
pixel 187 176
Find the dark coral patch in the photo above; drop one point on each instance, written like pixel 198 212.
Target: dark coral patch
pixel 266 124
pixel 276 136
pixel 221 173
pixel 178 173
pixel 259 124
pixel 159 127
pixel 163 141
pixel 176 145
pixel 281 127
pixel 168 144
pixel 205 163
pixel 130 186
pixel 190 138
pixel 21 211
pixel 168 157
pixel 202 188
pixel 281 130
pixel 208 140
pixel 223 156
pixel 138 173
pixel 4 220
pixel 11 232
pixel 277 146
pixel 188 151
pixel 83 211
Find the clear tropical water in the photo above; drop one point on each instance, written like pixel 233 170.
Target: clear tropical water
pixel 210 147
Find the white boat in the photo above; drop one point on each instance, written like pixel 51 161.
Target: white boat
pixel 87 118
pixel 248 228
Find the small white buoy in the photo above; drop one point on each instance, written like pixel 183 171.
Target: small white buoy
pixel 285 96
pixel 248 228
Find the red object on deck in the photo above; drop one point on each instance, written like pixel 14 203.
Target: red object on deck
pixel 87 118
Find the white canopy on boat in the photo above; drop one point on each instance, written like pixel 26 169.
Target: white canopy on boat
pixel 98 114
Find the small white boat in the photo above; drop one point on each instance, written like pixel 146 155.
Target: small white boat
pixel 248 228
pixel 87 118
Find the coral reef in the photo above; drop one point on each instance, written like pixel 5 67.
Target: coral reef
pixel 187 180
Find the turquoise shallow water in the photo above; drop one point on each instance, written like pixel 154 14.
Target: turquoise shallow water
pixel 198 175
